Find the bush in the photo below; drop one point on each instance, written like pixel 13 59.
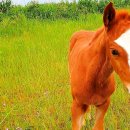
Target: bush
pixel 102 4
pixel 5 6
pixel 87 6
pixel 54 11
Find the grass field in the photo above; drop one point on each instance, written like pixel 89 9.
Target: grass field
pixel 34 80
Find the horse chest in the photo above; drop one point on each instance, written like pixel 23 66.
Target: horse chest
pixel 97 95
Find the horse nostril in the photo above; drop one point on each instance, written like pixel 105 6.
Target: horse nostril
pixel 115 52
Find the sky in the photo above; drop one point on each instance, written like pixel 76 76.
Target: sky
pixel 24 2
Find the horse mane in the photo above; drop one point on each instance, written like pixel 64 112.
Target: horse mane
pixel 84 34
pixel 99 31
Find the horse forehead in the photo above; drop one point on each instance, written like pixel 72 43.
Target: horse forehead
pixel 124 41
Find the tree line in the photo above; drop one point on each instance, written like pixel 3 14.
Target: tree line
pixel 67 10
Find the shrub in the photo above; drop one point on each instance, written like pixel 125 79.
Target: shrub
pixel 5 6
pixel 54 11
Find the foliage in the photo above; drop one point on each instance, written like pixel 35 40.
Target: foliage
pixel 5 6
pixel 53 11
pixel 102 4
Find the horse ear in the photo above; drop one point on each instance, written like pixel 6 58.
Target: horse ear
pixel 109 15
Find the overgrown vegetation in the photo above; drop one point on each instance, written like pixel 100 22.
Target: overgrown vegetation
pixel 54 11
pixel 34 80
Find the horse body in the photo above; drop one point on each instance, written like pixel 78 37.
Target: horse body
pixel 93 57
pixel 90 69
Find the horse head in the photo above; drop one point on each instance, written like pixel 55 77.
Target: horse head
pixel 117 36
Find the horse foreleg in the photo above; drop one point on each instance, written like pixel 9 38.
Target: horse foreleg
pixel 100 113
pixel 78 112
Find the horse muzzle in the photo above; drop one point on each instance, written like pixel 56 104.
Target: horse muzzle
pixel 128 87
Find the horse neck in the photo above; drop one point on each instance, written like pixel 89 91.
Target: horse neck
pixel 105 67
pixel 105 72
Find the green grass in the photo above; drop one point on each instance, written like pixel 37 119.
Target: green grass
pixel 34 80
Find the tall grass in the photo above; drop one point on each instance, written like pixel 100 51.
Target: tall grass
pixel 34 80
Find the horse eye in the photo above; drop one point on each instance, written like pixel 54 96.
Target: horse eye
pixel 115 52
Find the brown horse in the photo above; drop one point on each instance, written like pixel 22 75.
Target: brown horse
pixel 93 57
